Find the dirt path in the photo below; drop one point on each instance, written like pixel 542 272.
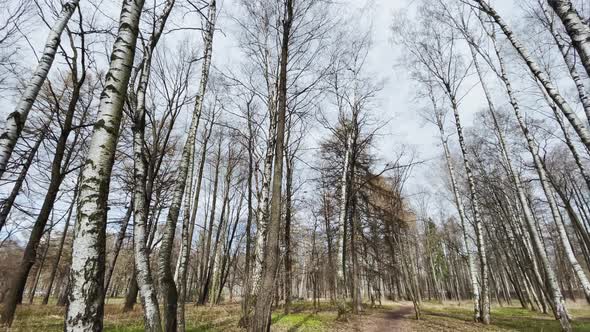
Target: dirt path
pixel 394 320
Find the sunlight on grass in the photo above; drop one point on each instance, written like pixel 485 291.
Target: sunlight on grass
pixel 305 317
pixel 304 321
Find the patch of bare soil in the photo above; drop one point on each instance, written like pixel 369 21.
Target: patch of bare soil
pixel 398 319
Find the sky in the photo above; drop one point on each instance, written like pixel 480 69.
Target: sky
pixel 395 102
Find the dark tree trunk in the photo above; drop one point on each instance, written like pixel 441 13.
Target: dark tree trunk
pixel 262 313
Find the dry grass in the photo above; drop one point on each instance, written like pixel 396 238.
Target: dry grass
pixel 304 317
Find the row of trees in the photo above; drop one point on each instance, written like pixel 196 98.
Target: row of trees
pixel 179 181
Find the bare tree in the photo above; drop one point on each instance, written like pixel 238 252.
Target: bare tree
pixel 16 120
pixel 86 293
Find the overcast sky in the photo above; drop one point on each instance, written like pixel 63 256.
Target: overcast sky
pixel 394 102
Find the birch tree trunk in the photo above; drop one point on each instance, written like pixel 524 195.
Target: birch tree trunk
pixel 557 299
pixel 16 120
pixel 206 252
pixel 485 298
pixel 187 237
pixel 541 75
pixel 263 205
pixel 462 218
pixel 86 294
pixel 289 164
pixel 169 291
pixel 542 177
pixel 18 183
pixel 577 29
pixel 248 264
pixel 571 66
pixel 141 197
pixel 342 218
pixel 262 311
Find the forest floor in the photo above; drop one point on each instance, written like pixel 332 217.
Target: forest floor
pixel 391 316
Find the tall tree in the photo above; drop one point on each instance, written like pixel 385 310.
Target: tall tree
pixel 262 313
pixel 576 27
pixel 170 294
pixel 140 197
pixel 16 120
pixel 86 294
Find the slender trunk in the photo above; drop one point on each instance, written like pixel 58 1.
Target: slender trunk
pixel 169 291
pixel 485 300
pixel 287 243
pixel 40 269
pixel 577 29
pixel 557 300
pixel 141 196
pixel 118 244
pixel 86 294
pixel 18 183
pixel 248 264
pixel 216 268
pixel 17 119
pixel 460 209
pixel 262 313
pixel 342 219
pixel 541 75
pixel 211 280
pixel 207 252
pixel 188 231
pixel 565 242
pixel 263 205
pixel 571 65
pixel 59 165
pixel 60 250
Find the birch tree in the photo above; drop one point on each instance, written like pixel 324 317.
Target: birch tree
pixel 16 120
pixel 140 210
pixel 261 321
pixel 439 120
pixel 576 27
pixel 60 166
pixel 86 294
pixel 557 299
pixel 170 294
pixel 445 68
pixel 538 72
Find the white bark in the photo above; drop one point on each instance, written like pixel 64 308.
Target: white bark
pixel 86 294
pixel 541 75
pixel 187 236
pixel 460 209
pixel 577 29
pixel 557 299
pixel 263 205
pixel 339 266
pixel 546 185
pixel 17 119
pixel 571 66
pixel 147 291
pixel 480 242
pixel 165 273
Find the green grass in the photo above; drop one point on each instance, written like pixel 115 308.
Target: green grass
pixel 305 317
pixel 198 319
pixel 301 321
pixel 506 318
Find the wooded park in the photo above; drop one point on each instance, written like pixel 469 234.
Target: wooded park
pixel 294 165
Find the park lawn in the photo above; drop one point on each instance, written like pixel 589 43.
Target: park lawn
pixel 453 316
pixel 304 317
